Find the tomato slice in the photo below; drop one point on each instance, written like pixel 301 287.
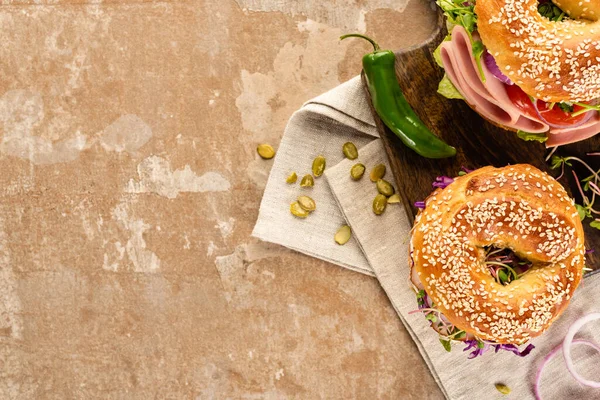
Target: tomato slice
pixel 521 100
pixel 554 115
pixel 557 116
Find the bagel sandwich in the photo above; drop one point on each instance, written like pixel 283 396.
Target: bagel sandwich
pixel 496 255
pixel 528 66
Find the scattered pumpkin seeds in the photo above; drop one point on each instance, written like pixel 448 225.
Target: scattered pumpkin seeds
pixel 350 151
pixel 393 199
pixel 318 166
pixel 343 235
pixel 357 171
pixel 266 151
pixel 377 173
pixel 292 178
pixel 379 204
pixel 385 188
pixel 307 181
pixel 502 388
pixel 307 203
pixel 297 210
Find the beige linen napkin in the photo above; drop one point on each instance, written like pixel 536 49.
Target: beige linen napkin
pixel 380 246
pixel 320 127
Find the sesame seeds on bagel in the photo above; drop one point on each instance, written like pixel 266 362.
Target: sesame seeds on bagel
pixel 554 61
pixel 516 207
pixel 588 9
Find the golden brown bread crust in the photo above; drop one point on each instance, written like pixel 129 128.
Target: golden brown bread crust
pixel 517 207
pixel 551 61
pixel 588 9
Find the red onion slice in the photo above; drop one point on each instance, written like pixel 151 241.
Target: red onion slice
pixel 589 115
pixel 490 63
pixel 567 348
pixel 566 345
pixel 550 356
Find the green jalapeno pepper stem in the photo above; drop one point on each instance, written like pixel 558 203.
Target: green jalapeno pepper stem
pixel 358 35
pixel 393 108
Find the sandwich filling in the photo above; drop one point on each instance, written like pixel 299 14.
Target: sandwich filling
pixel 449 332
pixel 504 266
pixel 472 74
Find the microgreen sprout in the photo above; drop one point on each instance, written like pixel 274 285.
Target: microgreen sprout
pixel 449 331
pixel 445 328
pixel 503 265
pixel 586 108
pixel 460 12
pixel 551 11
pixel 588 187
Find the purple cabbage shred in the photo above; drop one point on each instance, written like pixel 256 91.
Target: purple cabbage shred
pixel 589 251
pixel 442 181
pixel 472 344
pixel 514 349
pixel 490 62
pixel 424 301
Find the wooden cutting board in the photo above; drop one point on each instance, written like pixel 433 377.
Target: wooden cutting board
pixel 478 142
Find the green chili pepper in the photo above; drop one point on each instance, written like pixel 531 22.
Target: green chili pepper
pixel 393 109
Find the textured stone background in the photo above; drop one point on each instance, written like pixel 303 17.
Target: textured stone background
pixel 129 187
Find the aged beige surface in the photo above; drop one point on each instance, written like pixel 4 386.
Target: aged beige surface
pixel 130 185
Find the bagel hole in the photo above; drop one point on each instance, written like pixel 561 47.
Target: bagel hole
pixel 551 11
pixel 504 265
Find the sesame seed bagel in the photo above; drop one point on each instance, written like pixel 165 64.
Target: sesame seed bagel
pixel 587 9
pixel 551 61
pixel 516 207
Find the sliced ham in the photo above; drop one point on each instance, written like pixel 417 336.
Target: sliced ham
pixel 490 99
pixel 559 137
pixel 474 97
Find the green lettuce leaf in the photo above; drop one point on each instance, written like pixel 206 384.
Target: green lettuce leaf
pixel 529 137
pixel 566 107
pixel 460 12
pixel 478 49
pixel 437 53
pixel 448 90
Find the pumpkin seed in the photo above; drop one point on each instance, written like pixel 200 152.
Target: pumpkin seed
pixel 292 178
pixel 318 166
pixel 266 151
pixel 307 203
pixel 377 173
pixel 297 210
pixel 357 171
pixel 307 181
pixel 350 151
pixel 502 388
pixel 343 235
pixel 385 188
pixel 393 199
pixel 379 204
